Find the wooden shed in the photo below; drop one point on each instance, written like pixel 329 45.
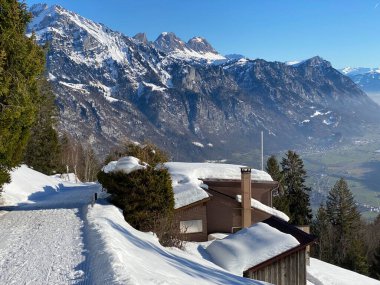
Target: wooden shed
pixel 288 268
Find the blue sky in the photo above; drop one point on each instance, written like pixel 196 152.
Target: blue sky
pixel 345 32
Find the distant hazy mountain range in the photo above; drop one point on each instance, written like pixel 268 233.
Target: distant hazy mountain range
pixel 188 98
pixel 367 78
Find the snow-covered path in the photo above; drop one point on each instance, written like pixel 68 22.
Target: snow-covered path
pixel 45 242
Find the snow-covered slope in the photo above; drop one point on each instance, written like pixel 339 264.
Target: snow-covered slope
pixel 42 240
pixel 57 238
pixel 26 182
pixel 322 273
pixel 367 78
pixel 134 257
pixel 195 49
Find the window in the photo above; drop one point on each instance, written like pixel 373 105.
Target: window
pixel 192 226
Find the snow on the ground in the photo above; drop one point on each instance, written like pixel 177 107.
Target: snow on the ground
pixel 25 182
pixel 323 273
pixel 42 239
pixel 53 237
pixel 187 179
pixel 133 257
pixel 260 206
pixel 249 247
pixel 198 144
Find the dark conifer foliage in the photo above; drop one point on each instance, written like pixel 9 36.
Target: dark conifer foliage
pixel 296 191
pixel 21 65
pixel 146 195
pixel 142 195
pixel 43 150
pixel 375 264
pixel 280 201
pixel 322 228
pixel 338 227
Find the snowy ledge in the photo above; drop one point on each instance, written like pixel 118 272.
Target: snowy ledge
pixel 260 206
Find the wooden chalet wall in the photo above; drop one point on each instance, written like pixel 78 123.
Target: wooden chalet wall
pixel 289 270
pixel 195 211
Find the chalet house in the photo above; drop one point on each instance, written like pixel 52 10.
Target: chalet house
pixel 221 198
pixel 234 204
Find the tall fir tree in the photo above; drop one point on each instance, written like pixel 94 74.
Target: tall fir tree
pixel 322 228
pixel 280 200
pixel 43 150
pixel 347 240
pixel 21 65
pixel 296 191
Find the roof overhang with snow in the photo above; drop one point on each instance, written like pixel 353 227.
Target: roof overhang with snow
pixel 302 237
pixel 187 179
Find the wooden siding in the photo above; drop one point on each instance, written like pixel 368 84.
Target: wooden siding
pixel 289 270
pixel 196 212
pixel 224 213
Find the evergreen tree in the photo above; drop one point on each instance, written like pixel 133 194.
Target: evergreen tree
pixel 280 200
pixel 21 64
pixel 347 241
pixel 43 149
pixel 296 192
pixel 146 152
pixel 321 227
pixel 375 264
pixel 142 195
pixel 273 168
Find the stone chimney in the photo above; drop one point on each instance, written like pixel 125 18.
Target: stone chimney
pixel 246 196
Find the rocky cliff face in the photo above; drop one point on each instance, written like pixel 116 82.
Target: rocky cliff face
pixel 188 98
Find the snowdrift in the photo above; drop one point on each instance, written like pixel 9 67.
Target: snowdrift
pixel 323 273
pixel 133 257
pixel 26 182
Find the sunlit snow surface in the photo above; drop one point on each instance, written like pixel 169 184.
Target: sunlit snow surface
pixel 249 247
pixel 323 273
pixel 133 257
pixel 260 206
pixel 56 237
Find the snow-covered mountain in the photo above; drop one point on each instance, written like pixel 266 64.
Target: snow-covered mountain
pixel 197 48
pixel 111 87
pixel 367 78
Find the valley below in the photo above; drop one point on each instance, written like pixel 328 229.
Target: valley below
pixel 356 160
pixel 358 163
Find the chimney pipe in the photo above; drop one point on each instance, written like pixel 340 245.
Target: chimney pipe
pixel 246 196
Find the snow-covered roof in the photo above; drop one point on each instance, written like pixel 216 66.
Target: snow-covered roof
pixel 125 164
pixel 260 206
pixel 187 179
pixel 250 247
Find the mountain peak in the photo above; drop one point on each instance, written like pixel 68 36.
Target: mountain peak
pixel 316 61
pixel 201 45
pixel 38 8
pixel 169 42
pixel 141 38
